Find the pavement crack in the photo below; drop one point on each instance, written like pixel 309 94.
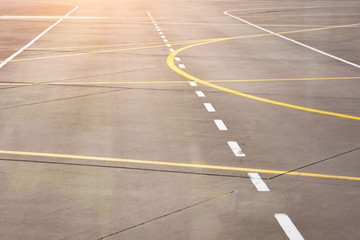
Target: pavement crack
pixel 121 167
pixel 166 215
pixel 59 99
pixel 315 163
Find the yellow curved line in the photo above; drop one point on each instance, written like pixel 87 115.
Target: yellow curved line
pixel 172 65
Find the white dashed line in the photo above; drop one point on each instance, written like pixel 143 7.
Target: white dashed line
pixel 200 93
pixel 220 124
pixel 193 84
pixel 177 59
pixel 234 146
pixel 258 182
pixel 182 66
pixel 209 107
pixel 288 227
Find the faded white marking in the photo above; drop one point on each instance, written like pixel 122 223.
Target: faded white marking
pixel 234 146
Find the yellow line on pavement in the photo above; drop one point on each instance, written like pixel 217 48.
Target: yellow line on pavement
pixel 172 65
pixel 174 82
pixel 102 51
pixel 284 79
pixel 173 164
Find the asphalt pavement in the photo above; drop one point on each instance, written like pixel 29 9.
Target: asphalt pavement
pixel 180 120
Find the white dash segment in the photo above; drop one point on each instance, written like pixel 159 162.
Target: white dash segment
pixel 288 226
pixel 234 146
pixel 182 66
pixel 163 36
pixel 155 24
pixel 168 45
pixel 171 50
pixel 193 84
pixel 157 27
pixel 220 124
pixel 200 93
pixel 209 107
pixel 161 33
pixel 258 182
pixel 177 59
pixel 165 40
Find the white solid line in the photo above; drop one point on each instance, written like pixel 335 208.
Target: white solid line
pixel 171 50
pixel 50 17
pixel 35 39
pixel 193 84
pixel 292 40
pixel 234 146
pixel 209 107
pixel 288 227
pixel 177 59
pixel 200 93
pixel 220 124
pixel 258 182
pixel 182 66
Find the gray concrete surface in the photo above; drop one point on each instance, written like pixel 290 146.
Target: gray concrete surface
pixel 98 85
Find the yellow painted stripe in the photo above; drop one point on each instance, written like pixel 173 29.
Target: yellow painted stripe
pixel 175 82
pixel 173 164
pixel 283 79
pixel 172 65
pixel 98 52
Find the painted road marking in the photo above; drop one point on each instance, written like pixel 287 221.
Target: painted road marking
pixel 182 66
pixel 220 124
pixel 258 182
pixel 172 65
pixel 161 33
pixel 234 146
pixel 288 226
pixel 209 107
pixel 163 37
pixel 171 49
pixel 193 84
pixel 177 59
pixel 174 164
pixel 52 17
pixel 35 39
pixel 200 93
pixel 165 40
pixel 168 45
pixel 292 40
